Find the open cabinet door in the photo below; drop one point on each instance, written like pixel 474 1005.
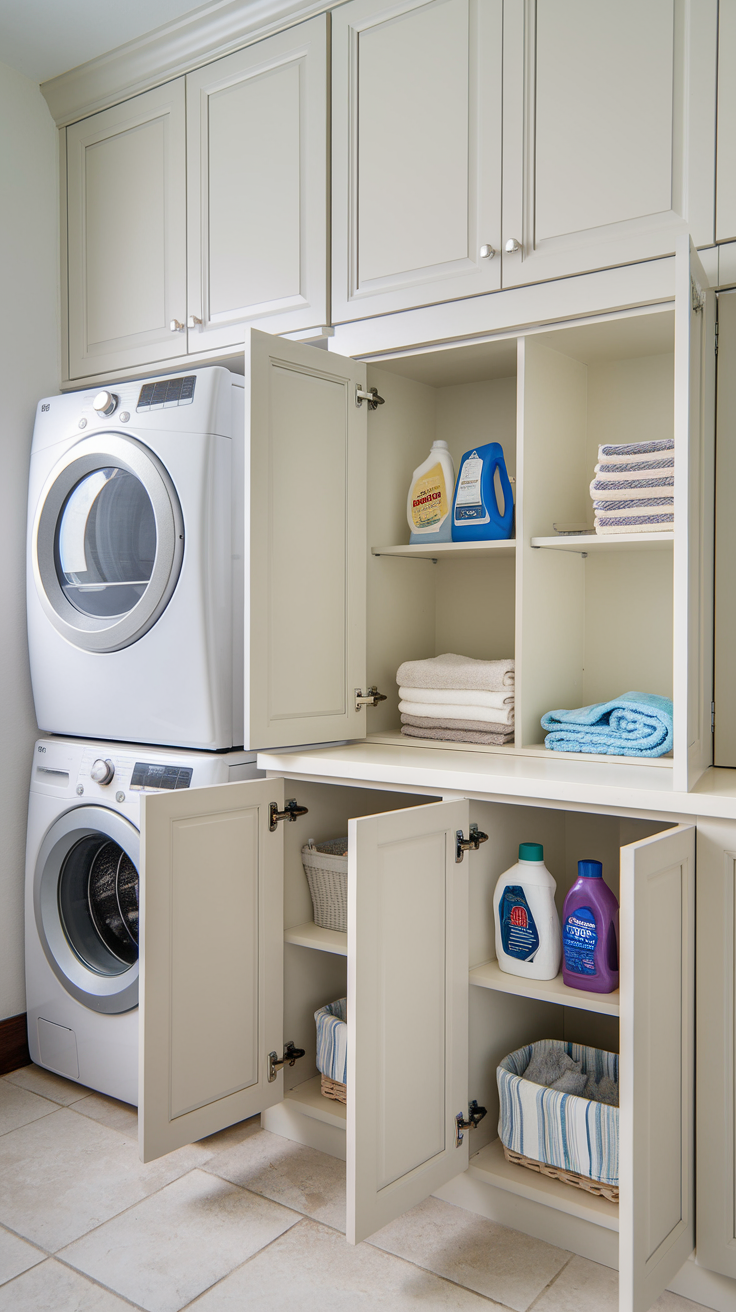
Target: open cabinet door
pixel 211 960
pixel 407 1010
pixel 695 360
pixel 305 544
pixel 657 1071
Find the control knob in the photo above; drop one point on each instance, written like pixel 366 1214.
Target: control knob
pixel 105 403
pixel 102 772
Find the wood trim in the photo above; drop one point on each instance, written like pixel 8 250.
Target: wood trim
pixel 14 1044
pixel 178 47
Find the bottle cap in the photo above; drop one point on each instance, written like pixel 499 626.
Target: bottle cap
pixel 531 852
pixel 590 869
pixel 439 442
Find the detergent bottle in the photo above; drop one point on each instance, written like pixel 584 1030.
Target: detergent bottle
pixel 476 515
pixel 527 924
pixel 430 497
pixel 590 932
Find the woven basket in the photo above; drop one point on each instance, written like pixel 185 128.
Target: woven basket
pixel 596 1187
pixel 333 1089
pixel 326 867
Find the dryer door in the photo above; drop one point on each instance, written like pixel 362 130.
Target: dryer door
pixel 108 542
pixel 85 899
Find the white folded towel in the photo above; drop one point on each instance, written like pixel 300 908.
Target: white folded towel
pixel 457 696
pixel 627 490
pixel 453 671
pixel 431 711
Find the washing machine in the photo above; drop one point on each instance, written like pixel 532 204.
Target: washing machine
pixel 135 561
pixel 81 909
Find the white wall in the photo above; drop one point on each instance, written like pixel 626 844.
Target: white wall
pixel 29 369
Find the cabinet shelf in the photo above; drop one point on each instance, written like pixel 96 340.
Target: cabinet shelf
pixel 491 1166
pixel 435 551
pixel 311 1102
pixel 490 976
pixel 310 935
pixel 587 542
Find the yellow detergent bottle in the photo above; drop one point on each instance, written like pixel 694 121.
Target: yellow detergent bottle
pixel 429 502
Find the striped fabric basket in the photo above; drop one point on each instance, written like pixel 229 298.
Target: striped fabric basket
pixel 332 1048
pixel 558 1133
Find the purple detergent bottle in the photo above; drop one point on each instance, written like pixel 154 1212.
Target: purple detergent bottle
pixel 590 932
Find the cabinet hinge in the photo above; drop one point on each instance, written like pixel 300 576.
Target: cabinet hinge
pixel 291 811
pixel 371 698
pixel 371 396
pixel 475 1116
pixel 712 717
pixel 471 844
pixel 697 294
pixel 291 1054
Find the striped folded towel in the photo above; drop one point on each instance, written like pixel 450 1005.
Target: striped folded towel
pixel 629 450
pixel 636 524
pixel 628 465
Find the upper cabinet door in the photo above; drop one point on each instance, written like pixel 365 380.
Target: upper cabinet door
pixel 305 544
pixel 407 1010
pixel 257 188
pixel 126 205
pixel 726 150
pixel 657 1070
pixel 211 960
pixel 609 128
pixel 416 170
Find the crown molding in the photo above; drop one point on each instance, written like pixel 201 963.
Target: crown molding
pixel 178 47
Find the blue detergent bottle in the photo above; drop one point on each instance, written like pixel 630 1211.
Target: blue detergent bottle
pixel 476 515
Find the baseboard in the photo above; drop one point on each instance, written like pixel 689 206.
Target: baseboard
pixel 14 1044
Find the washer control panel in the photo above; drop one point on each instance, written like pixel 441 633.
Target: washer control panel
pixel 148 775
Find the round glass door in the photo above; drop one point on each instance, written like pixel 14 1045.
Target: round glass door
pixel 108 542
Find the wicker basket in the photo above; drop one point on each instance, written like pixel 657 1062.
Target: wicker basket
pixel 332 1048
pixel 326 867
pixel 333 1089
pixel 596 1187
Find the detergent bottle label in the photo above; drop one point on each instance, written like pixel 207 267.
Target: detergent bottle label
pixel 468 501
pixel 518 931
pixel 429 499
pixel 579 941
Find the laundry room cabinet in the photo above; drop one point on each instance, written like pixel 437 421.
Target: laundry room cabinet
pixel 428 1009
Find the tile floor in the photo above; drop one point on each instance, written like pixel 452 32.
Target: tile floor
pixel 243 1220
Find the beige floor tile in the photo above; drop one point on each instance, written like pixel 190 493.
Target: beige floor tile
pixel 585 1285
pixel 19 1106
pixel 52 1287
pixel 64 1174
pixel 48 1085
pixel 16 1256
pixel 230 1137
pixel 479 1254
pixel 108 1111
pixel 289 1173
pixel 314 1269
pixel 171 1247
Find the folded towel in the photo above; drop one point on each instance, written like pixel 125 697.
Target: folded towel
pixel 644 494
pixel 635 724
pixel 452 671
pixel 623 527
pixel 431 711
pixel 474 726
pixel 457 696
pixel 458 736
pixel 609 450
pixel 640 506
pixel 628 465
pixel 654 486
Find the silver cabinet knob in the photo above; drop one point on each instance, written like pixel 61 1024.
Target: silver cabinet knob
pixel 176 327
pixel 102 771
pixel 486 252
pixel 105 402
pixel 193 321
pixel 512 245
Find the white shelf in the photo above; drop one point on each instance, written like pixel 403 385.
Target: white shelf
pixel 607 542
pixel 311 1102
pixel 396 737
pixel 450 550
pixel 491 1166
pixel 310 935
pixel 490 976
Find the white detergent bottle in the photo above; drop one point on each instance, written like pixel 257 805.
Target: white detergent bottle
pixel 528 937
pixel 429 502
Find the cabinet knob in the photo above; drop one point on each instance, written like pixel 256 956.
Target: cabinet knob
pixel 512 245
pixel 193 321
pixel 176 327
pixel 486 252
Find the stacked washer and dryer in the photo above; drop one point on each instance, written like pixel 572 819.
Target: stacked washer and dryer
pixel 135 626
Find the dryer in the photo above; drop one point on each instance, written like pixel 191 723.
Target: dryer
pixel 135 561
pixel 81 907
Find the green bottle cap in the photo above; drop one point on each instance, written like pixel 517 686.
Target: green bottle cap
pixel 531 852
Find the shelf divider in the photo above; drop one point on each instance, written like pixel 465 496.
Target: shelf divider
pixel 490 976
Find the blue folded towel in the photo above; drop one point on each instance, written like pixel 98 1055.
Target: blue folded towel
pixel 635 724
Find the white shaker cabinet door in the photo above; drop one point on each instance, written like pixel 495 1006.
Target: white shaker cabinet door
pixel 657 1069
pixel 726 148
pixel 211 960
pixel 407 1010
pixel 609 127
pixel 416 173
pixel 257 189
pixel 126 218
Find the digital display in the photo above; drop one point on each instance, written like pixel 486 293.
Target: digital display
pixel 167 392
pixel 146 775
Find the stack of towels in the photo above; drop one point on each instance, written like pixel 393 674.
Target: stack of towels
pixel 634 487
pixel 457 699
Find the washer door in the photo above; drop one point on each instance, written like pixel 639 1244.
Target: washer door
pixel 108 542
pixel 85 899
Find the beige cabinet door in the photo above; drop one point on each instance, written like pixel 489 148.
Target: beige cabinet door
pixel 609 130
pixel 257 189
pixel 726 148
pixel 126 199
pixel 416 172
pixel 407 1010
